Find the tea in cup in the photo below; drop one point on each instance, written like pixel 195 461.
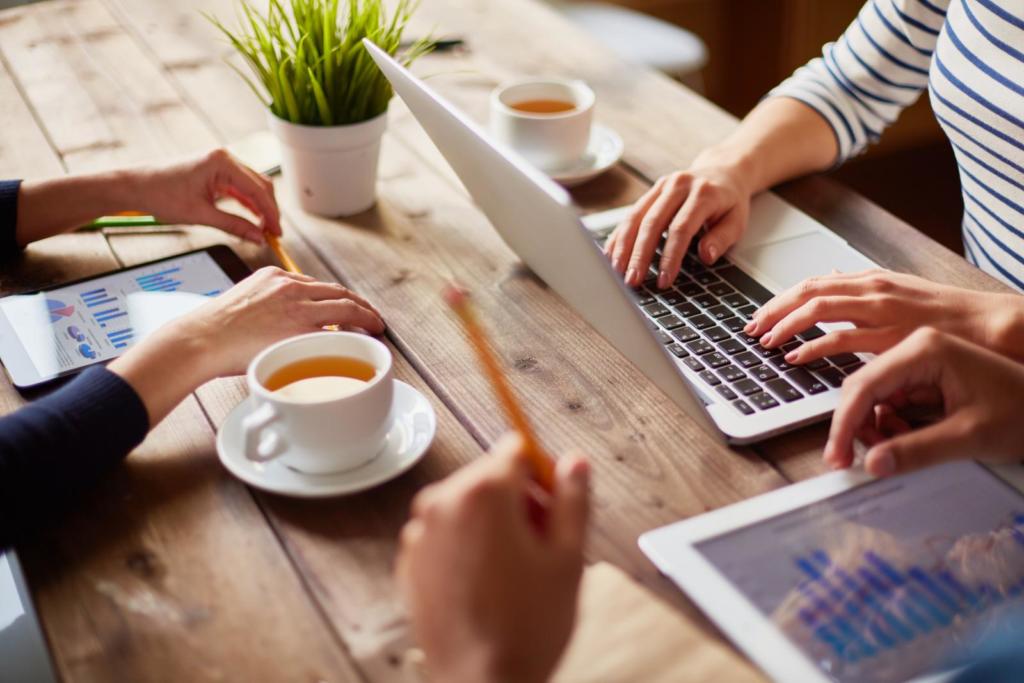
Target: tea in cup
pixel 547 122
pixel 321 402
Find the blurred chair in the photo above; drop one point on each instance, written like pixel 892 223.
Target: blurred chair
pixel 642 39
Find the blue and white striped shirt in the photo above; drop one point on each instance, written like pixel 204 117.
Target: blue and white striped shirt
pixel 970 55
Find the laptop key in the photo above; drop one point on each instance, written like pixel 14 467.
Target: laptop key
pixel 716 334
pixel 693 364
pixel 746 284
pixel 719 312
pixel 784 390
pixel 725 392
pixel 743 407
pixel 701 322
pixel 643 297
pixel 734 324
pixel 687 310
pixel 806 381
pixel 762 373
pixel 678 351
pixel 811 333
pixel 746 386
pixel 710 378
pixel 731 373
pixel 671 297
pixel 764 352
pixel 747 311
pixel 706 278
pixel 816 364
pixel 763 401
pixel 735 300
pixel 732 346
pixel 663 337
pixel 720 289
pixel 842 359
pixel 691 289
pixel 780 363
pixel 786 348
pixel 832 375
pixel 685 334
pixel 747 339
pixel 670 322
pixel 699 347
pixel 747 359
pixel 715 360
pixel 705 300
pixel 656 310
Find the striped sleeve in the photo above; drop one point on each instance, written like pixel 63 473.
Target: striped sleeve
pixel 862 82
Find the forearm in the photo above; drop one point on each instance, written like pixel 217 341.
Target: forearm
pixel 166 367
pixel 780 139
pixel 50 207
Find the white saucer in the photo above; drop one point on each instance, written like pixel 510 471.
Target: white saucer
pixel 412 431
pixel 603 152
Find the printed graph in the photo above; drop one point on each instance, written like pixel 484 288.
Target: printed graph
pixel 163 281
pixel 121 338
pixel 97 297
pixel 59 309
pixel 861 611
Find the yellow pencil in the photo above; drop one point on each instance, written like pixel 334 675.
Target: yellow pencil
pixel 543 464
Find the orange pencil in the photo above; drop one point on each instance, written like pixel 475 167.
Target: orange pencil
pixel 543 464
pixel 286 261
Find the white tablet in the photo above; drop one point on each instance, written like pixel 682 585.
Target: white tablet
pixel 844 578
pixel 63 329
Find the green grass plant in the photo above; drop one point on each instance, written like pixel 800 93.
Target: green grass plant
pixel 308 62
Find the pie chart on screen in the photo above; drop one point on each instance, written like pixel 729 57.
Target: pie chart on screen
pixel 59 309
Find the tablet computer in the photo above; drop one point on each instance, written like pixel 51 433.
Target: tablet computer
pixel 843 578
pixel 66 328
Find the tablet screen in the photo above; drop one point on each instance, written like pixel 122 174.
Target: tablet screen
pixel 71 327
pixel 887 581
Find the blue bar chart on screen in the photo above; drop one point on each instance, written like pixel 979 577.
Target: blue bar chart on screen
pixel 98 320
pixel 861 584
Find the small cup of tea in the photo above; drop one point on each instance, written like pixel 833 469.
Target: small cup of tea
pixel 321 402
pixel 547 122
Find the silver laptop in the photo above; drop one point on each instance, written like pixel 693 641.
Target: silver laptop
pixel 687 339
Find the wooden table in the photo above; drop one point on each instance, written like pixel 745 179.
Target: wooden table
pixel 174 570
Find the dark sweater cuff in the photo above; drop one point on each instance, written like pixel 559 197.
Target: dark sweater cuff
pixel 97 396
pixel 9 190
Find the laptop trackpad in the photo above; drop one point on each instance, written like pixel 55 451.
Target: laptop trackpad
pixel 786 262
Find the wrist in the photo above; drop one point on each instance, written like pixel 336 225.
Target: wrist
pixel 734 160
pixel 1006 325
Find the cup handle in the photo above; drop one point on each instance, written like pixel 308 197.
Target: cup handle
pixel 260 445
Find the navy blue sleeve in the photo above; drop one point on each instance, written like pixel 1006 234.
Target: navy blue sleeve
pixel 54 448
pixel 9 217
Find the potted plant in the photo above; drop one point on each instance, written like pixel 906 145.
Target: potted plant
pixel 326 99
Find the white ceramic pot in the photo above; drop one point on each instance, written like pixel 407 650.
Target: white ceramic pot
pixel 332 170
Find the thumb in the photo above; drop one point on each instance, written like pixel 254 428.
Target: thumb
pixel 570 505
pixel 723 234
pixel 950 439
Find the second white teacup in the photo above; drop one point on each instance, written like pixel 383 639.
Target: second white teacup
pixel 548 122
pixel 326 421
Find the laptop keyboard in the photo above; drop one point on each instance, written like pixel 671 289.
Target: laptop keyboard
pixel 701 317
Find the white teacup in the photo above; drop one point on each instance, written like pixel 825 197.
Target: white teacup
pixel 550 141
pixel 322 436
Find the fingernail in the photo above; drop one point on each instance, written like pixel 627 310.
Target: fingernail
pixel 792 356
pixel 712 253
pixel 663 280
pixel 766 339
pixel 631 276
pixel 749 327
pixel 884 464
